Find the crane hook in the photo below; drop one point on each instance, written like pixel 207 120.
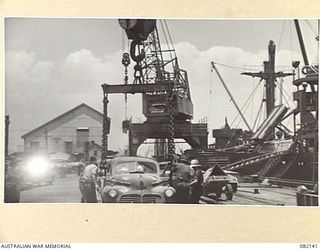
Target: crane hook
pixel 137 58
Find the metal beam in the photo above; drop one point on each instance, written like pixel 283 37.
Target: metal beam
pixel 302 47
pixel 137 88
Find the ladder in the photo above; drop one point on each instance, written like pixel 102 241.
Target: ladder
pixel 253 160
pixel 271 164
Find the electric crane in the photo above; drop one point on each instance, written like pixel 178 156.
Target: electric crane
pixel 164 86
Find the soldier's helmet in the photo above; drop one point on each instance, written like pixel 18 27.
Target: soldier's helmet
pixel 195 163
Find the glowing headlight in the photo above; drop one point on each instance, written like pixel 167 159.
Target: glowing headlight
pixel 169 193
pixel 37 166
pixel 113 193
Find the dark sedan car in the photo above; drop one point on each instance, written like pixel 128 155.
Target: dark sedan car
pixel 135 180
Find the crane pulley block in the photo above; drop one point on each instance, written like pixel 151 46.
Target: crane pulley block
pixel 138 29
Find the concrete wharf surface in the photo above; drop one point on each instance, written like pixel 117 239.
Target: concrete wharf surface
pixel 266 196
pixel 66 190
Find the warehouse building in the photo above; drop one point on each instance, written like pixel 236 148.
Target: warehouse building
pixel 73 132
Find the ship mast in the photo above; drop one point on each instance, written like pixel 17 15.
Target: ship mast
pixel 270 76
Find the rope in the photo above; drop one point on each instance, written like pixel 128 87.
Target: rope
pixel 291 41
pixel 253 86
pixel 282 32
pixel 247 102
pixel 210 95
pixel 258 115
pixel 244 112
pixel 315 61
pixel 235 67
pixel 286 103
pixel 313 30
pixel 166 38
pixel 174 51
pixel 286 93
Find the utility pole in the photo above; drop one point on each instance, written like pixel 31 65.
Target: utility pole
pixel 7 122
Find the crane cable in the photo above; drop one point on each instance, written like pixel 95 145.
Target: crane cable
pixel 291 41
pixel 210 94
pixel 310 26
pixel 170 38
pixel 174 51
pixel 282 32
pixel 286 93
pixel 166 38
pixel 235 67
pixel 317 38
pixel 258 115
pixel 245 106
pixel 277 83
pixel 260 111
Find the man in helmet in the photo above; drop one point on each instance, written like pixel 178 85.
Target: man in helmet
pixel 88 182
pixel 196 184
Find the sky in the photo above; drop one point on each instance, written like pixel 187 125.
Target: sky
pixel 55 64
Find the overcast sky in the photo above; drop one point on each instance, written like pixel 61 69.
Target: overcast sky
pixel 53 65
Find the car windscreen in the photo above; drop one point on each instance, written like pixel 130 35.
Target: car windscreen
pixel 126 167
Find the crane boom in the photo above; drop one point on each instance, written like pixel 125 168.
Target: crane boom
pixel 231 97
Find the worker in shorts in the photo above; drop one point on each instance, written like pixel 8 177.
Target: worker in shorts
pixel 88 182
pixel 196 189
pixel 183 175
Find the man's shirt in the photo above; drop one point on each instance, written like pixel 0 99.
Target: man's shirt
pixel 90 170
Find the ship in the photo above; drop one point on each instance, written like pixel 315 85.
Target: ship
pixel 273 151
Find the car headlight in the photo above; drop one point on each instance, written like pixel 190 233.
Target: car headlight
pixel 37 166
pixel 113 193
pixel 169 193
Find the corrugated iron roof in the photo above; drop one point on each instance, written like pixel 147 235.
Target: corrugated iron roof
pixel 61 116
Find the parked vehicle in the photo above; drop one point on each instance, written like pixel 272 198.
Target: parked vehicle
pixel 37 170
pixel 134 180
pixel 216 181
pixel 233 179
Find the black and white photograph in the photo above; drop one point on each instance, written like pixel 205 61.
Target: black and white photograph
pixel 204 112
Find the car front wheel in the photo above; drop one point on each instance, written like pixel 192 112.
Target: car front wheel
pixel 229 192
